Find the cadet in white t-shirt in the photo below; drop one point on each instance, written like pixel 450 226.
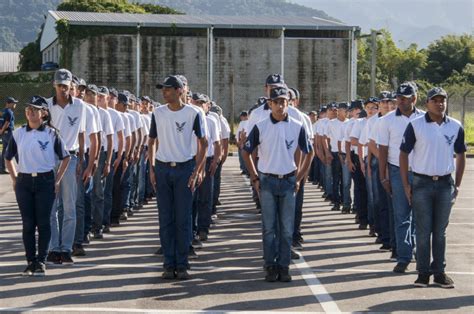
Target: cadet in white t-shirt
pixel 240 138
pixel 175 164
pixel 277 181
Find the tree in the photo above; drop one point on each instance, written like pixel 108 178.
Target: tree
pixel 117 6
pixel 30 55
pixel 447 56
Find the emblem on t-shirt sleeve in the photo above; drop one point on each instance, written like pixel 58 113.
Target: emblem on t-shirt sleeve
pixel 180 126
pixel 72 121
pixel 449 139
pixel 289 144
pixel 43 146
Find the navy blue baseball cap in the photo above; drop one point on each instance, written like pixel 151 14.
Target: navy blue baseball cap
pixel 62 77
pixel 199 97
pixel 113 92
pixel 279 92
pixel 146 98
pixel 436 91
pixel 93 88
pixel 171 82
pixel 261 101
pixel 323 109
pixel 103 90
pixel 357 104
pixel 343 105
pixel 385 95
pixel 123 98
pixel 37 102
pixel 292 94
pixel 393 96
pixel 373 100
pixel 243 114
pixel 132 97
pixel 297 92
pixel 11 100
pixel 406 90
pixel 275 79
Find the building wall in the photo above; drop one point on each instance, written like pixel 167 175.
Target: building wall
pixel 318 68
pixel 9 61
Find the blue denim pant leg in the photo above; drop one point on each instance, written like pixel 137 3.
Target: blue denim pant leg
pixel 278 214
pixel 346 185
pixel 382 203
pixel 336 171
pixel 126 187
pixel 98 194
pixel 370 195
pixel 217 185
pixel 204 200
pixel 174 200
pixel 315 165
pixel 108 193
pixel 402 217
pixel 322 174
pixel 63 231
pixel 142 177
pixel 299 212
pixel 6 137
pixel 432 203
pixel 360 190
pixel 328 180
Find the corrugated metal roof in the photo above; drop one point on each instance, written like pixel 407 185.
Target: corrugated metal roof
pixel 202 21
pixel 9 61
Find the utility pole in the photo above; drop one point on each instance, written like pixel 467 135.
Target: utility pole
pixel 373 62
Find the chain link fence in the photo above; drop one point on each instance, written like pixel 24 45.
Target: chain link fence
pixel 461 107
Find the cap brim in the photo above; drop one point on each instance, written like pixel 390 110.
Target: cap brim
pixel 282 97
pixel 161 86
pixel 62 82
pixel 35 106
pixel 406 96
pixel 444 95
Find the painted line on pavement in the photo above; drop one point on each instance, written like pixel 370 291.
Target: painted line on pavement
pixel 363 270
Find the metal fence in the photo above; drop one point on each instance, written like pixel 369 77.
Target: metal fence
pixel 23 92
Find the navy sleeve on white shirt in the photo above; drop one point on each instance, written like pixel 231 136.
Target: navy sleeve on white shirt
pixel 197 128
pixel 460 145
pixel 303 141
pixel 59 149
pixel 11 149
pixel 409 139
pixel 253 140
pixel 153 133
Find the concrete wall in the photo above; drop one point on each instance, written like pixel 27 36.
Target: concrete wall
pixel 318 68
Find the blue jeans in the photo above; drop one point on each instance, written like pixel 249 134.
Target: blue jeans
pixel 360 190
pixel 109 183
pixel 217 187
pixel 241 162
pixel 142 177
pixel 62 232
pixel 322 175
pixel 370 194
pixel 6 137
pixel 299 212
pixel 35 198
pixel 174 200
pixel 83 205
pixel 328 180
pixel 277 197
pixel 404 229
pixel 432 203
pixel 346 184
pixel 98 196
pixel 336 179
pixel 382 203
pixel 202 205
pixel 126 187
pixel 133 198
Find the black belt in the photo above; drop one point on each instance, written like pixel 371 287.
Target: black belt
pixel 434 178
pixel 73 152
pixel 174 164
pixel 36 174
pixel 280 176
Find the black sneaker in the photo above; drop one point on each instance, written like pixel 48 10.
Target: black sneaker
pixel 443 281
pixel 98 234
pixel 54 258
pixel 66 258
pixel 182 274
pixel 123 216
pixel 159 251
pixel 115 222
pixel 87 239
pixel 106 229
pixel 271 274
pixel 336 207
pixel 297 245
pixel 192 254
pixel 363 227
pixel 324 195
pixel 130 212
pixel 196 243
pixel 400 268
pixel 29 270
pixel 218 202
pixel 284 274
pixel 378 241
pixel 169 273
pixel 372 232
pixel 40 270
pixel 294 255
pixel 203 236
pixel 422 281
pixel 78 250
pixel 393 256
pixel 346 210
pixel 385 248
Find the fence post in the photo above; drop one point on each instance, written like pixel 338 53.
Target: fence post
pixel 463 108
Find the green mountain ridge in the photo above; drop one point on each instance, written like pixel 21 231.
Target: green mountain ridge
pixel 20 20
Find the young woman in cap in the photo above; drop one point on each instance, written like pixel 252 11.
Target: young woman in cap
pixel 38 147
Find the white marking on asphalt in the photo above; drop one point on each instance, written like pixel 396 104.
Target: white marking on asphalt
pixel 364 270
pixel 462 223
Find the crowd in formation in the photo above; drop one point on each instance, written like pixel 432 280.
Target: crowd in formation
pixel 90 157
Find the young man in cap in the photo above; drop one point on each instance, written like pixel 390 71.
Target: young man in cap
pixel 391 128
pixel 342 110
pixel 320 150
pixel 68 116
pixel 277 181
pixel 7 128
pixel 240 137
pixel 176 168
pixel 432 139
pixel 383 210
pixel 326 146
pixel 144 182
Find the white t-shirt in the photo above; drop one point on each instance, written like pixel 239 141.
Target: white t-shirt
pixel 174 131
pixel 117 125
pixel 356 132
pixel 93 124
pixel 334 133
pixel 70 121
pixel 347 132
pixel 225 128
pixel 241 128
pixel 213 135
pixel 127 130
pixel 107 128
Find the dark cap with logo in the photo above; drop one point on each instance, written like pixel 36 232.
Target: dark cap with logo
pixel 261 101
pixel 171 82
pixel 103 90
pixel 275 79
pixel 11 100
pixel 199 97
pixel 297 92
pixel 92 88
pixel 356 104
pixel 146 98
pixel 373 100
pixel 343 105
pixel 113 92
pixel 385 95
pixel 437 91
pixel 243 114
pixel 323 109
pixel 62 77
pixel 406 90
pixel 279 92
pixel 37 102
pixel 123 98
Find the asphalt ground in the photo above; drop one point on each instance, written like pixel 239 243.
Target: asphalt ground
pixel 341 269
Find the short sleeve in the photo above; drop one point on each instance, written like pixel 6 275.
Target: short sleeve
pixel 408 140
pixel 59 147
pixel 199 127
pixel 7 116
pixel 383 136
pixel 460 145
pixel 253 140
pixel 12 149
pixel 153 133
pixel 304 141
